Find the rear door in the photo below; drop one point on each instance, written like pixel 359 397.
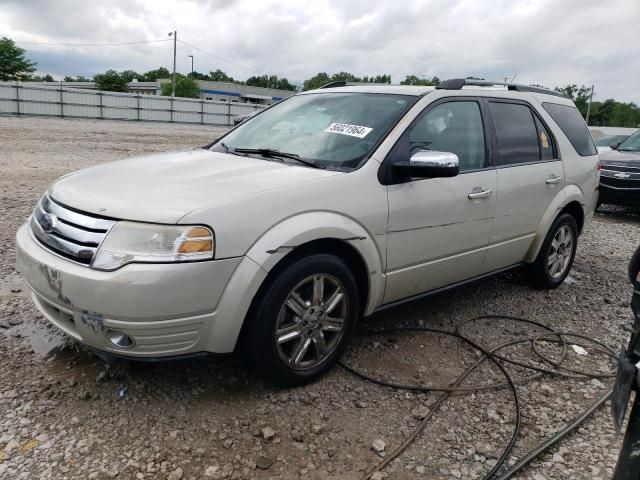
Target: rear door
pixel 438 228
pixel 529 176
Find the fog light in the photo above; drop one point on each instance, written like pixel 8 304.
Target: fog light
pixel 119 339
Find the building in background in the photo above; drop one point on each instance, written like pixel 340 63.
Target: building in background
pixel 220 91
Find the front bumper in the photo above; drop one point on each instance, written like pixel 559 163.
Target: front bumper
pixel 619 196
pixel 167 309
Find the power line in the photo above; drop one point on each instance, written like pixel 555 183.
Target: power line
pixel 219 57
pixel 93 44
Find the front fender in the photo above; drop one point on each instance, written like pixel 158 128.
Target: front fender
pixel 269 249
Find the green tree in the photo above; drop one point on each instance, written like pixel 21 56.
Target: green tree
pixel 13 63
pixel 40 78
pixel 270 81
pixel 154 75
pixel 414 80
pixel 579 95
pixel 186 87
pixel 111 81
pixel 323 78
pixel 220 76
pixel 130 75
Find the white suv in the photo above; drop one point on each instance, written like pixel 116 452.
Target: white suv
pixel 323 208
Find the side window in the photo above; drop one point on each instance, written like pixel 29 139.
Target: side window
pixel 545 141
pixel 572 125
pixel 454 127
pixel 516 133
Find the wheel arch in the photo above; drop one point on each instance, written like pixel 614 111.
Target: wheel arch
pixel 570 200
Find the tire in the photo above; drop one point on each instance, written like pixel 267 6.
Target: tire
pixel 311 339
pixel 634 266
pixel 554 261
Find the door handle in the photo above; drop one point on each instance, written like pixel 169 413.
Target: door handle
pixel 553 180
pixel 479 193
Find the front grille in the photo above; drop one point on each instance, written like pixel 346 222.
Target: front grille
pixel 69 233
pixel 620 177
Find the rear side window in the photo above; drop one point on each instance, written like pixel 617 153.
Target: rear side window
pixel 571 123
pixel 546 143
pixel 516 133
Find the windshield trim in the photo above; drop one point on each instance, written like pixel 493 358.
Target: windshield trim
pixel 411 101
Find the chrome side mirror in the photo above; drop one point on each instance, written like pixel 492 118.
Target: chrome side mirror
pixel 429 164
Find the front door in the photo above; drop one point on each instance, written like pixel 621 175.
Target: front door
pixel 439 228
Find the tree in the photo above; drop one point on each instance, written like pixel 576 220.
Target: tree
pixel 580 96
pixel 40 78
pixel 13 63
pixel 154 75
pixel 130 75
pixel 270 81
pixel 77 78
pixel 220 76
pixel 186 87
pixel 323 78
pixel 111 81
pixel 414 80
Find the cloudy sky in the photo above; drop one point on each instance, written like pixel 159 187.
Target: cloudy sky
pixel 549 42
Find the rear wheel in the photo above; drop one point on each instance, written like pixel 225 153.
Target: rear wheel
pixel 303 321
pixel 556 255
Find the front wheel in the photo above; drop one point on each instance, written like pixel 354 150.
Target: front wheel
pixel 302 322
pixel 554 261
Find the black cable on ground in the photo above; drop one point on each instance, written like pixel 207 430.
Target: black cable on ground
pixel 558 370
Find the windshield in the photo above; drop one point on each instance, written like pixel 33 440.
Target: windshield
pixel 609 139
pixel 631 144
pixel 332 130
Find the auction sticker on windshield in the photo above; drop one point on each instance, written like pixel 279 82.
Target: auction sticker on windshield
pixel 346 129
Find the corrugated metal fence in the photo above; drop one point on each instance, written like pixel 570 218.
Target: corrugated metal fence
pixel 23 99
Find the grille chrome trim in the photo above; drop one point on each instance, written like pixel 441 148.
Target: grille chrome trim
pixel 75 236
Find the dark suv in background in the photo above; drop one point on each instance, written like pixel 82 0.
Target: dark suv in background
pixel 620 175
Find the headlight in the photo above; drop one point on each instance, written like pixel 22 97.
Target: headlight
pixel 130 242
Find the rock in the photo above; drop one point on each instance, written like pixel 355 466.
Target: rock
pixel 211 471
pixel 11 446
pixel 176 474
pixel 597 383
pixel 318 428
pixel 419 413
pixel 268 434
pixel 4 324
pixel 228 443
pixel 378 476
pixel 263 462
pixel 546 389
pixel 15 321
pixel 378 445
pixel 420 469
pixel 539 476
pixel 102 376
pixel 557 458
pixel 297 436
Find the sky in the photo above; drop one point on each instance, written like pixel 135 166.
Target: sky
pixel 552 43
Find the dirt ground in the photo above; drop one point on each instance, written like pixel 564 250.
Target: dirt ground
pixel 64 414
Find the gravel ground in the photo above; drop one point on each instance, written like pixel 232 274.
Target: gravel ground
pixel 61 415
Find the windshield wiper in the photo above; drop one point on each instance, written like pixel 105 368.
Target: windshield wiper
pixel 272 153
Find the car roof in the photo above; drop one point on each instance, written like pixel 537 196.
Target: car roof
pixel 413 90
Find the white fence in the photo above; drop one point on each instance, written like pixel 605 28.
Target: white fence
pixel 23 99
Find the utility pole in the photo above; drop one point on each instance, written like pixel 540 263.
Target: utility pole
pixel 589 107
pixel 191 65
pixel 173 75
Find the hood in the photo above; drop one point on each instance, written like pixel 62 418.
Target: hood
pixel 164 188
pixel 616 157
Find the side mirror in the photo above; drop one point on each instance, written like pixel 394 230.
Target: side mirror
pixel 429 164
pixel 614 145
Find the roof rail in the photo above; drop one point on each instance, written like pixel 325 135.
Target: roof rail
pixel 337 83
pixel 458 83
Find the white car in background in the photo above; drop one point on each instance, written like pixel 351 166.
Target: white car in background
pixel 276 241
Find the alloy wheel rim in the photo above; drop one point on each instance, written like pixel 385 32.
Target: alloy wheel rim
pixel 560 252
pixel 311 321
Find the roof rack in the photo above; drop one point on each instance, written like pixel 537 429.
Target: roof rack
pixel 458 83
